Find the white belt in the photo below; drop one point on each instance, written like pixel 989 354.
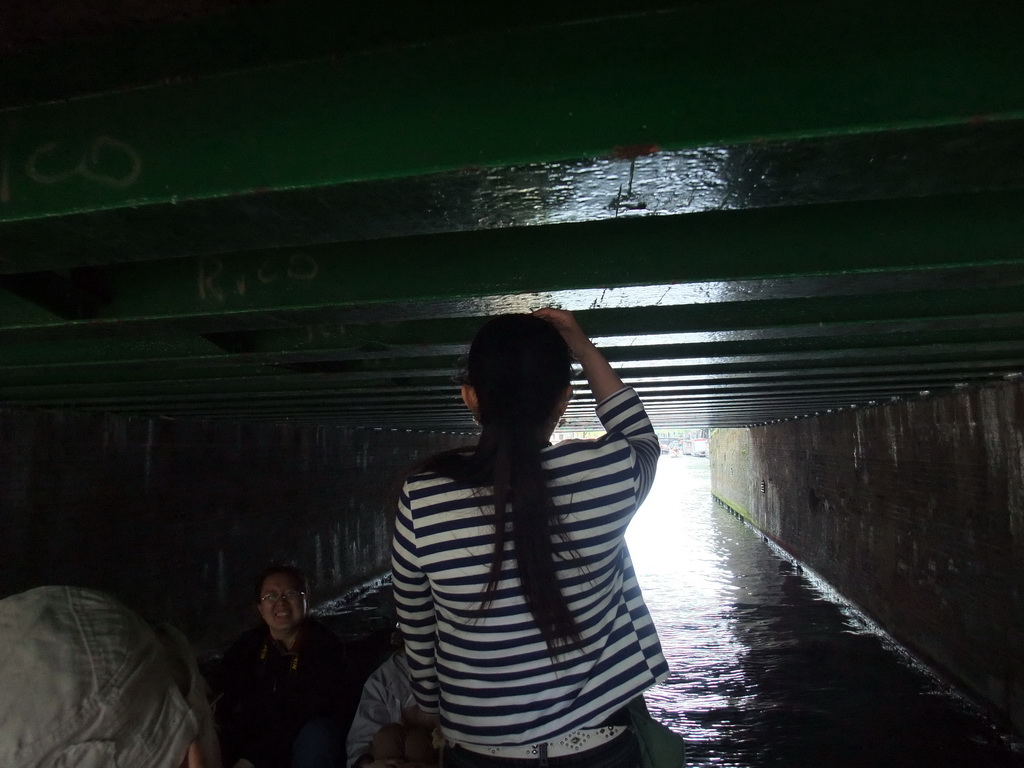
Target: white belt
pixel 570 744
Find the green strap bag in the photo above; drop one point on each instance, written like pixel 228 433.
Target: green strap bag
pixel 660 746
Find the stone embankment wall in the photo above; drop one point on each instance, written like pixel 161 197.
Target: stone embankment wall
pixel 177 518
pixel 912 510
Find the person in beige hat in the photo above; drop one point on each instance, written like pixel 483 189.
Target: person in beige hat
pixel 87 683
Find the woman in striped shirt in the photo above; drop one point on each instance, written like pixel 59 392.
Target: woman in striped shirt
pixel 524 624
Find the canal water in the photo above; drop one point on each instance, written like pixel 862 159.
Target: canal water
pixel 769 667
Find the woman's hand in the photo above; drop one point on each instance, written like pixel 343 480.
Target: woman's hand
pixel 604 381
pixel 566 325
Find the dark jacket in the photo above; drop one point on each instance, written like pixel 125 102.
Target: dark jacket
pixel 270 692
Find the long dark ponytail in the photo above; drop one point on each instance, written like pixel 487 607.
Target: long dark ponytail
pixel 520 369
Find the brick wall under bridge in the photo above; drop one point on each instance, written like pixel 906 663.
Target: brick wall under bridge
pixel 177 517
pixel 912 510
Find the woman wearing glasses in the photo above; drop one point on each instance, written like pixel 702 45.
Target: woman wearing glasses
pixel 289 692
pixel 523 621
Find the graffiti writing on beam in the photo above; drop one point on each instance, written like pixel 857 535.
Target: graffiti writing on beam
pixel 217 282
pixel 105 161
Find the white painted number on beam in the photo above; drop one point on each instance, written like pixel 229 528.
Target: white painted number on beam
pixel 108 161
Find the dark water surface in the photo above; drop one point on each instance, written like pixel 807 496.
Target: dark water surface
pixel 769 666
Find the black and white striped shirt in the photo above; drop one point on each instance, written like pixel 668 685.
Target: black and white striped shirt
pixel 489 674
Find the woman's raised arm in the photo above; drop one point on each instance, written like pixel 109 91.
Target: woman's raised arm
pixel 604 381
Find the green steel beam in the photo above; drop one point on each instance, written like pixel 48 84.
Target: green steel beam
pixel 307 219
pixel 19 312
pixel 681 77
pixel 472 274
pixel 131 52
pixel 980 297
pixel 246 387
pixel 120 354
pixel 881 165
pixel 710 359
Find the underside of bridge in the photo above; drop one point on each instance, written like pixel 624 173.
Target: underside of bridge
pixel 302 210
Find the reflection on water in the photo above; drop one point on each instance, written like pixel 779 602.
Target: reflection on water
pixel 768 667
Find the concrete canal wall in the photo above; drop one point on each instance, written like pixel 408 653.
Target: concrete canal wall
pixel 177 517
pixel 912 510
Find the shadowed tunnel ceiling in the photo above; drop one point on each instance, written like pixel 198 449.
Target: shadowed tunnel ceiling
pixel 302 211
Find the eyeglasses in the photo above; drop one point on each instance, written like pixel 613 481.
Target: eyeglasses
pixel 292 594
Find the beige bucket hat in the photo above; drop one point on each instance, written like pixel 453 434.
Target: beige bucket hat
pixel 85 682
